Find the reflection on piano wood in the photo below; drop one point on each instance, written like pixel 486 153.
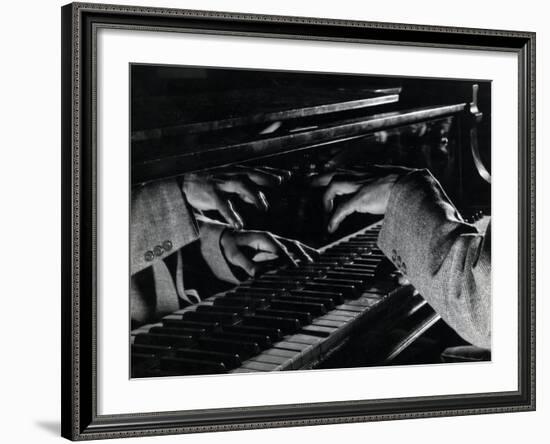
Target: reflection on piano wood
pixel 285 319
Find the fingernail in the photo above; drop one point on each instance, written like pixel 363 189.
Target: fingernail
pixel 263 200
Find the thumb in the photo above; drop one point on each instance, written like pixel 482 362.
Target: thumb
pixel 239 259
pixel 340 213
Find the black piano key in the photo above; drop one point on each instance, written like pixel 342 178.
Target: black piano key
pixel 309 307
pixel 300 274
pixel 264 341
pixel 252 303
pixel 286 325
pixel 230 360
pixel 164 339
pixel 274 334
pixel 316 266
pixel 304 317
pixel 366 261
pixel 245 349
pixel 327 303
pixel 221 317
pixel 361 265
pixel 377 255
pixel 186 366
pixel 279 283
pixel 194 332
pixel 222 309
pixel 151 349
pixel 340 258
pixel 143 364
pixel 260 292
pixel 348 291
pixel 181 323
pixel 341 250
pixel 361 244
pixel 328 263
pixel 339 280
pixel 336 274
pixel 333 296
pixel 368 272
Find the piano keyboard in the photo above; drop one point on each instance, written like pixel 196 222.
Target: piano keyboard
pixel 291 318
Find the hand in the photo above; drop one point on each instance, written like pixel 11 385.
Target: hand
pixel 212 191
pixel 367 191
pixel 250 250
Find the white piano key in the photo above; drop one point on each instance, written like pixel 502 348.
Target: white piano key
pixel 352 308
pixel 288 345
pixel 304 339
pixel 319 329
pixel 259 366
pixel 328 323
pixel 336 318
pixel 279 352
pixel 344 313
pixel 269 359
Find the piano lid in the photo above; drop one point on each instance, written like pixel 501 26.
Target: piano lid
pixel 175 155
pixel 158 116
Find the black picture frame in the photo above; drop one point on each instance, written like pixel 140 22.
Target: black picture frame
pixel 79 386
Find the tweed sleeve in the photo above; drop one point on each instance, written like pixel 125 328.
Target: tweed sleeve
pixel 446 259
pixel 161 222
pixel 212 251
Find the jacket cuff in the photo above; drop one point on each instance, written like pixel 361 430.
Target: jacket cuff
pixel 161 222
pixel 417 208
pixel 212 250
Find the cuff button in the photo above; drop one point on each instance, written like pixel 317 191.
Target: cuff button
pixel 158 250
pixel 149 256
pixel 167 245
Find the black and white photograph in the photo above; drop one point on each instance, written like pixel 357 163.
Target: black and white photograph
pixel 292 220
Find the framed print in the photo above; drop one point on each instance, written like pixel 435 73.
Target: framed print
pixel 278 221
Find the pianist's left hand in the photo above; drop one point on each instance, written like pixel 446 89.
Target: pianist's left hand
pixel 253 250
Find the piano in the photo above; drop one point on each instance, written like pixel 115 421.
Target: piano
pixel 346 309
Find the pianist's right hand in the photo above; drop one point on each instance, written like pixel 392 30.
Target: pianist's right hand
pixel 213 190
pixel 366 191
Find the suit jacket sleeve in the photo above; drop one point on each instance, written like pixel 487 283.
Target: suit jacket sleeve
pixel 446 259
pixel 211 248
pixel 160 217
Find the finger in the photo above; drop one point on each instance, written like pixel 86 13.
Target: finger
pixel 259 176
pixel 402 280
pixel 312 252
pixel 338 188
pixel 266 242
pixel 297 248
pixel 239 259
pixel 227 211
pixel 340 213
pixel 321 180
pixel 244 191
pixel 285 174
